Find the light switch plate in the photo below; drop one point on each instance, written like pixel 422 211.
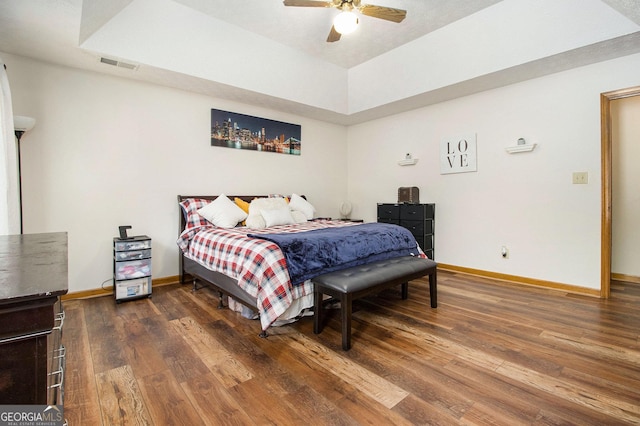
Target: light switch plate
pixel 580 177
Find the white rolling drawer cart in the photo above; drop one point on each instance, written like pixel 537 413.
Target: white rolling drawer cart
pixel 131 268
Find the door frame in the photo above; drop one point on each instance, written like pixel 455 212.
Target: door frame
pixel 606 160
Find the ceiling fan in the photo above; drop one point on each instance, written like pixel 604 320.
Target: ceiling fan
pixel 347 21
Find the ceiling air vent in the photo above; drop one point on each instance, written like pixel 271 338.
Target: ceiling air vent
pixel 117 63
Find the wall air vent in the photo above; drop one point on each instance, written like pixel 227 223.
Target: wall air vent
pixel 119 64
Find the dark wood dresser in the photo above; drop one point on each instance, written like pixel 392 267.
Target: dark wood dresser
pixel 33 276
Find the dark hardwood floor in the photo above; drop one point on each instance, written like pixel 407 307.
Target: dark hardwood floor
pixel 490 354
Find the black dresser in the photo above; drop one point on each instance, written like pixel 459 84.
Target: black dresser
pixel 33 276
pixel 418 218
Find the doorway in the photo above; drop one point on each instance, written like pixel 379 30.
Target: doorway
pixel 607 183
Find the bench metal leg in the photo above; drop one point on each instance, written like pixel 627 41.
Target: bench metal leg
pixel 405 291
pixel 433 290
pixel 346 301
pixel 317 313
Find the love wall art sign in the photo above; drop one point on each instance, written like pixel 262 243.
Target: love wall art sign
pixel 458 154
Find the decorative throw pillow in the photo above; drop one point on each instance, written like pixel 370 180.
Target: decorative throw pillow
pixel 242 204
pixel 300 204
pixel 273 217
pixel 190 207
pixel 256 219
pixel 298 216
pixel 223 212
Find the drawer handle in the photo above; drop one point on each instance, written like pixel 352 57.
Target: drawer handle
pixel 59 317
pixel 56 384
pixel 61 366
pixel 61 352
pixel 60 374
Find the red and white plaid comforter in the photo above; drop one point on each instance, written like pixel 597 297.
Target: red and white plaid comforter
pixel 259 265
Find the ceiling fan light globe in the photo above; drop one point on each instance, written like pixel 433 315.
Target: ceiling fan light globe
pixel 345 23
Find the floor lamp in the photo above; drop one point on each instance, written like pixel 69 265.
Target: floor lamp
pixel 21 125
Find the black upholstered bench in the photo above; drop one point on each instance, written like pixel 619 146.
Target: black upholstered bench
pixel 353 283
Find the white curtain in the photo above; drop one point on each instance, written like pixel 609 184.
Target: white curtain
pixel 9 194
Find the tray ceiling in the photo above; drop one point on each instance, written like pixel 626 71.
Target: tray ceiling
pixel 262 53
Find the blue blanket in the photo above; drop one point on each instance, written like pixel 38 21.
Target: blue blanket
pixel 312 253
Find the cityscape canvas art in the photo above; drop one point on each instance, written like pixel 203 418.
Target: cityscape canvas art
pixel 240 131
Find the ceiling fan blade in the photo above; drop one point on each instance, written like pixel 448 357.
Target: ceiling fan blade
pixel 387 13
pixel 308 3
pixel 333 35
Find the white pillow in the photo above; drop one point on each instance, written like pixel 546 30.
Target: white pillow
pixel 275 217
pixel 300 204
pixel 298 216
pixel 256 219
pixel 223 212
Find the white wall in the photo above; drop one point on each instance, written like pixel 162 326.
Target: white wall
pixel 625 197
pixel 108 151
pixel 525 201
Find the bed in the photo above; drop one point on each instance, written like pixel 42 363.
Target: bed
pixel 249 264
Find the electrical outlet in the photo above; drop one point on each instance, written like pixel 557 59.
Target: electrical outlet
pixel 580 178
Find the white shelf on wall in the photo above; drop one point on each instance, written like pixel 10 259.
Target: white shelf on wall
pixel 408 162
pixel 520 148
